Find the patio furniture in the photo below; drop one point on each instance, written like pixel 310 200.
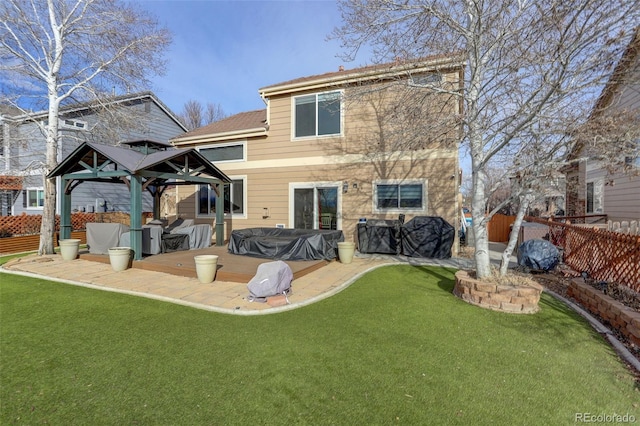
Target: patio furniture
pixel 151 239
pixel 174 242
pixel 327 221
pixel 199 235
pixel 379 236
pixel 102 236
pixel 286 244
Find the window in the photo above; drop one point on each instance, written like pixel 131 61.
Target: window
pixel 594 196
pixel 68 123
pixel 399 196
pixel 426 79
pixel 233 199
pixel 317 114
pixel 224 152
pixel 34 198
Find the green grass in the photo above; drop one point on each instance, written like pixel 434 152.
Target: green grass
pixel 394 348
pixel 5 259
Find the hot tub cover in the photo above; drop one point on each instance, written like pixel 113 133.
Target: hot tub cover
pixel 427 236
pixel 286 244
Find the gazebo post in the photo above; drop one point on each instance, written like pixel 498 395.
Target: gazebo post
pixel 65 211
pixel 156 203
pixel 136 216
pixel 220 214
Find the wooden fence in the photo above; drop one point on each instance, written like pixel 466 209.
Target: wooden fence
pixel 25 224
pixel 499 228
pixel 604 255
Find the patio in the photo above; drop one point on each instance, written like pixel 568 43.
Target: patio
pixel 171 277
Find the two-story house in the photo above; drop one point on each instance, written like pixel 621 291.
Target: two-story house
pixel 329 150
pixel 22 149
pixel 592 186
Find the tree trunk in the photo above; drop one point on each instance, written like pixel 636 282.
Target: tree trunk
pixel 48 225
pixel 515 230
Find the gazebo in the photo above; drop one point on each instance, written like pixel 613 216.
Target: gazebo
pixel 143 165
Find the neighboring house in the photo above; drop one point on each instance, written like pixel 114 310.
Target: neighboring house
pixel 592 187
pixel 374 142
pixel 22 149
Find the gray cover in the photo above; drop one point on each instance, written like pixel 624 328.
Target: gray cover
pixel 102 236
pixel 538 255
pixel 271 279
pixel 286 244
pixel 199 235
pixel 151 239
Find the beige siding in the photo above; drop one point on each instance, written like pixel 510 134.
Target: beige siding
pixel 374 146
pixel 270 188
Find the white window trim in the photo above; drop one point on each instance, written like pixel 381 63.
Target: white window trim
pixel 325 184
pixel 34 188
pixel 425 193
pixel 293 117
pixel 243 178
pixel 597 183
pixel 225 144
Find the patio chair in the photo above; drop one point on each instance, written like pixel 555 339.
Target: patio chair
pixel 199 235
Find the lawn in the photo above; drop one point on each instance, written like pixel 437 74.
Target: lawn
pixel 394 348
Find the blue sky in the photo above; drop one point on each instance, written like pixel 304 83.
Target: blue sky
pixel 224 51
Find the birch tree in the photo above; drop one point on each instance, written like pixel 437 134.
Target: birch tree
pixel 58 51
pixel 533 71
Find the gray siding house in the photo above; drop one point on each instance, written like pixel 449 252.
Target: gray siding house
pixel 591 187
pixel 119 119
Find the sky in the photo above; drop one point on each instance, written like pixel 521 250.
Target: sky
pixel 224 51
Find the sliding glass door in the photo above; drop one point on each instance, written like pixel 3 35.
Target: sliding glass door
pixel 315 206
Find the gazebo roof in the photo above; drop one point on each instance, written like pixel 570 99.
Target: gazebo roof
pixel 93 161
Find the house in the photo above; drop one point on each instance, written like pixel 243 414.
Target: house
pixel 22 149
pixel 329 150
pixel 599 186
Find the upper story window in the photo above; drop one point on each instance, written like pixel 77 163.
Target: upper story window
pixel 318 114
pixel 69 123
pixel 426 80
pixel 225 152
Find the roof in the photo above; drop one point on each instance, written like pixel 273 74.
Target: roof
pixel 618 78
pixel 429 63
pixel 165 165
pixel 239 123
pixel 81 106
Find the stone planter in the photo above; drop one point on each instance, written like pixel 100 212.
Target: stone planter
pixel 206 266
pixel 516 299
pixel 69 248
pixel 120 258
pixel 346 251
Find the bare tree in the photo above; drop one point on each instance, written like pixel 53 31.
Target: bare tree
pixel 57 51
pixel 194 115
pixel 533 71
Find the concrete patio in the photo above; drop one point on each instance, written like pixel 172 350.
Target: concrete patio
pixel 219 296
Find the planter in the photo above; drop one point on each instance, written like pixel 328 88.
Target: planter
pixel 515 299
pixel 120 258
pixel 69 248
pixel 206 266
pixel 346 250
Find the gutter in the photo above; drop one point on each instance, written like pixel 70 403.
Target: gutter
pixel 234 134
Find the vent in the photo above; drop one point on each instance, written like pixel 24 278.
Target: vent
pixel 68 123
